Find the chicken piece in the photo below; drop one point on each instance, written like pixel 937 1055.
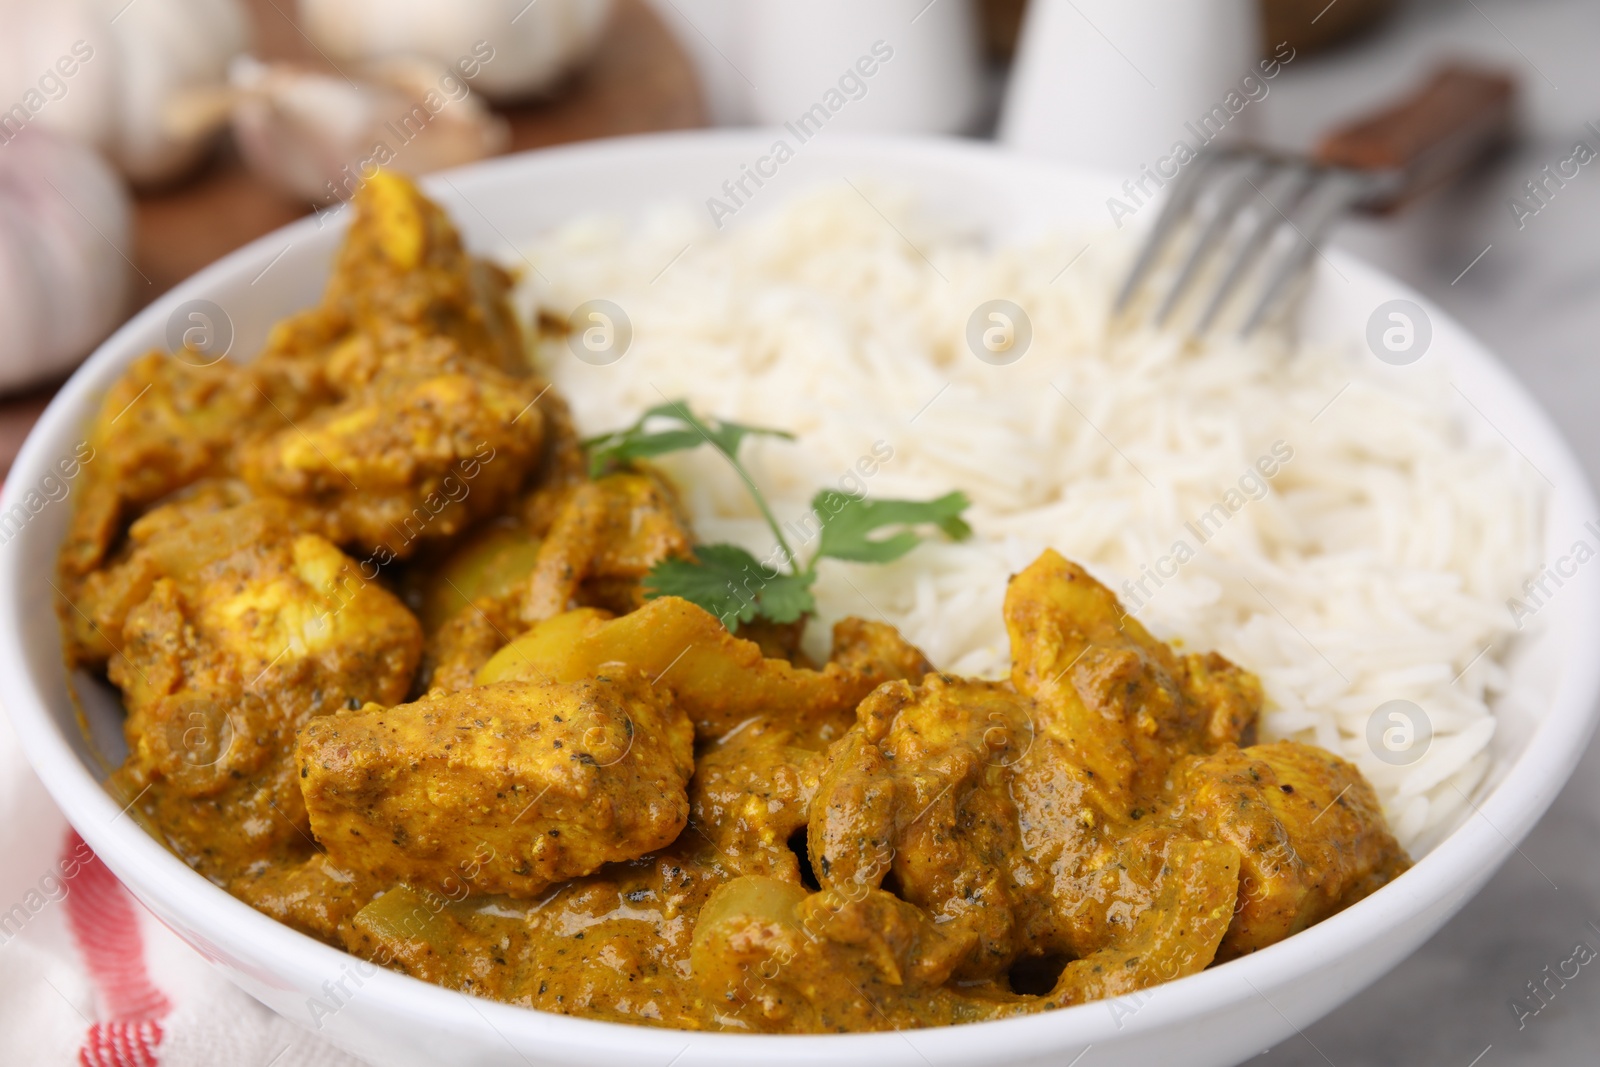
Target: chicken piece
pixel 777 958
pixel 603 541
pixel 750 797
pixel 457 652
pixel 198 762
pixel 1166 902
pixel 1150 904
pixel 718 679
pixel 425 419
pixel 1115 708
pixel 230 631
pixel 402 273
pixel 91 620
pixel 614 945
pixel 314 896
pixel 1125 704
pixel 876 651
pixel 416 345
pixel 415 454
pixel 1309 828
pixel 964 799
pixel 212 509
pixel 916 794
pixel 164 424
pixel 551 780
pixel 259 603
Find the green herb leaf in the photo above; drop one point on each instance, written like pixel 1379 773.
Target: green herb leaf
pixel 849 521
pixel 728 581
pixel 638 442
pixel 787 598
pixel 733 585
pixel 684 430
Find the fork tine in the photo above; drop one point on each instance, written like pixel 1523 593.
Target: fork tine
pixel 1234 189
pixel 1332 193
pixel 1278 194
pixel 1183 195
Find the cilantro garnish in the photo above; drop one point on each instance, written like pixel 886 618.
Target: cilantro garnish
pixel 733 585
pixel 848 520
pixel 728 581
pixel 684 431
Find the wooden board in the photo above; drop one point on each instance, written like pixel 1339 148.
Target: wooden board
pixel 640 81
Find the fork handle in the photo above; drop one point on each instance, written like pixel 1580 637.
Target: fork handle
pixel 1461 115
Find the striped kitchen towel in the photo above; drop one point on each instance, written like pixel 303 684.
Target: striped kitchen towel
pixel 88 976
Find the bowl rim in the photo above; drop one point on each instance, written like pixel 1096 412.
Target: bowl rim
pixel 1442 878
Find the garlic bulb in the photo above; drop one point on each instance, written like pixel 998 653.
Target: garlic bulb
pixel 319 136
pixel 105 70
pixel 65 227
pixel 523 48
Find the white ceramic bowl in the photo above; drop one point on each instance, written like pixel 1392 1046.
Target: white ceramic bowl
pixel 1214 1018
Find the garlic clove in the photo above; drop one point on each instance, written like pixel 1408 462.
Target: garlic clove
pixel 22 326
pixel 104 70
pixel 315 135
pixel 296 128
pixel 65 230
pixel 36 52
pixel 468 130
pixel 162 48
pixel 514 48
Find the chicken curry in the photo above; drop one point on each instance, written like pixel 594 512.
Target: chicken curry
pixel 393 676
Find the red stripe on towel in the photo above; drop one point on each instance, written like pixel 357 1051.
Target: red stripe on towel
pixel 105 925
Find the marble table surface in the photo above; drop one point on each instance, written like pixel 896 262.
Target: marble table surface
pixel 1534 298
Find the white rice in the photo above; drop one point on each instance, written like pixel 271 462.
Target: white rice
pixel 1375 567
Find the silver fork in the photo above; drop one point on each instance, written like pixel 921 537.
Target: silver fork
pixel 1255 215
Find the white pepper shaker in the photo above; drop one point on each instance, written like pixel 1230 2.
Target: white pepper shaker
pixel 880 66
pixel 1113 83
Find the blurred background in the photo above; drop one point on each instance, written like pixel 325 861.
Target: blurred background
pixel 142 139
